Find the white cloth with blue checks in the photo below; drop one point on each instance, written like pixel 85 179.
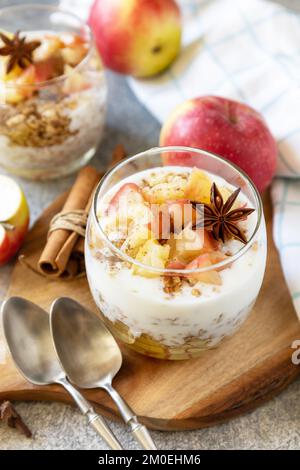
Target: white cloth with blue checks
pixel 248 50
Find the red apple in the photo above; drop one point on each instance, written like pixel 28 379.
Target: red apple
pixel 228 128
pixel 136 37
pixel 14 218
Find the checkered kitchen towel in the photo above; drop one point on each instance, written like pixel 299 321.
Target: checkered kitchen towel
pixel 250 51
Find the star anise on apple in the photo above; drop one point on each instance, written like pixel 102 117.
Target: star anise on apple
pixel 18 50
pixel 220 218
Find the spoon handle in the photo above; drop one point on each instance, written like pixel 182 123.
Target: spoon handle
pixel 138 430
pixel 95 420
pixel 100 426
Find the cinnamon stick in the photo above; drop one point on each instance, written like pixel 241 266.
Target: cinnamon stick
pixel 119 153
pixel 76 264
pixel 55 259
pixel 63 254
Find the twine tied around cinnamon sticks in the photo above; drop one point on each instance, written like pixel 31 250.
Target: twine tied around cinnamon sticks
pixel 62 256
pixel 74 221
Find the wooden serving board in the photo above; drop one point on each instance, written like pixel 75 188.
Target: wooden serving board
pixel 245 371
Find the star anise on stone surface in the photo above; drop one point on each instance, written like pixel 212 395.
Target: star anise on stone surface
pixel 18 50
pixel 219 218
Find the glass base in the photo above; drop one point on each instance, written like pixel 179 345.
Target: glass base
pixel 148 346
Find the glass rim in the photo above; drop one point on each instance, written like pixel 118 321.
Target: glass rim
pixel 168 271
pixel 61 78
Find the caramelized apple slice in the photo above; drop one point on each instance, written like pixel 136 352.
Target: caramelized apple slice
pixel 189 244
pixel 14 95
pixel 126 197
pixel 51 45
pixel 162 192
pixel 75 82
pixel 198 187
pixel 176 265
pixel 48 68
pixel 152 254
pixel 136 238
pixel 182 214
pixel 74 54
pixel 203 261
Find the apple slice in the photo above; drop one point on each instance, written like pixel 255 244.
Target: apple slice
pixel 127 207
pixel 189 244
pixel 162 192
pixel 75 82
pixel 128 194
pixel 14 218
pixel 136 238
pixel 203 261
pixel 176 265
pixel 198 187
pixel 182 214
pixel 152 254
pixel 16 94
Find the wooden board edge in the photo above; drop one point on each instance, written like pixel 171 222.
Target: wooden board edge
pixel 259 390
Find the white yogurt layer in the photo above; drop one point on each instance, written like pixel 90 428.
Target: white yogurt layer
pixel 143 306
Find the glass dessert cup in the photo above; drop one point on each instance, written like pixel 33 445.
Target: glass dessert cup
pixel 176 311
pixel 52 109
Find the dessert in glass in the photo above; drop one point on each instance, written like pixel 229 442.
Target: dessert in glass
pixel 52 92
pixel 175 251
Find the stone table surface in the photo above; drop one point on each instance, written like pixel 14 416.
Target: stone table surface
pixel 274 425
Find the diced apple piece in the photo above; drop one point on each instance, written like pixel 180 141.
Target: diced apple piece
pixel 203 261
pixel 163 192
pixel 136 238
pixel 182 214
pixel 75 82
pixel 13 74
pixel 176 265
pixel 50 46
pixel 49 68
pixel 128 205
pixel 16 94
pixel 208 277
pixel 151 254
pixel 73 55
pixel 198 187
pixel 190 243
pixel 128 194
pixel 160 223
pixel 210 244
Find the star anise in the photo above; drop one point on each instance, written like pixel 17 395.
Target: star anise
pixel 19 51
pixel 219 218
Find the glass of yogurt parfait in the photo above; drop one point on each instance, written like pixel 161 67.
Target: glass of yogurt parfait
pixel 52 92
pixel 175 250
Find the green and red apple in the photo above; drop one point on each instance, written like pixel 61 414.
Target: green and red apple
pixel 14 218
pixel 226 127
pixel 137 37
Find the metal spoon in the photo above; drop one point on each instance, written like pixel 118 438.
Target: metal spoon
pixel 27 333
pixel 91 357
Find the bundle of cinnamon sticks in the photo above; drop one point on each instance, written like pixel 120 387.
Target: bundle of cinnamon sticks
pixel 63 254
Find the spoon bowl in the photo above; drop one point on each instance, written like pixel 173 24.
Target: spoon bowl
pixel 26 328
pixel 27 333
pixel 91 357
pixel 86 348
